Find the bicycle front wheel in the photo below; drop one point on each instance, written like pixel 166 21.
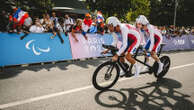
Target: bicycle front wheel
pixel 105 75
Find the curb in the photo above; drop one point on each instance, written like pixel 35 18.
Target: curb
pixel 53 62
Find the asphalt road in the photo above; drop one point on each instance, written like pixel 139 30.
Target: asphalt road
pixel 68 86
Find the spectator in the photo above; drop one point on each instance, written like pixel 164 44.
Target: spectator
pixel 28 22
pixel 13 22
pixel 171 29
pixel 43 19
pixel 93 28
pixel 37 27
pixel 100 22
pixel 192 30
pixel 182 30
pixel 54 18
pixel 58 28
pixel 47 23
pixel 68 23
pixel 163 30
pixel 16 21
pixel 77 28
pixel 87 22
pixel 26 27
pixel 187 31
pixel 100 28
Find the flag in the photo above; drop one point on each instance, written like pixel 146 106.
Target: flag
pixel 20 16
pixel 99 18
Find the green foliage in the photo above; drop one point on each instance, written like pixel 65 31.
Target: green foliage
pixel 162 12
pixel 185 13
pixel 159 12
pixel 140 7
pixel 128 16
pixel 30 5
pixel 123 9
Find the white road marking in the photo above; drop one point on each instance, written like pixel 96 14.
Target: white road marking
pixel 12 104
pixel 181 66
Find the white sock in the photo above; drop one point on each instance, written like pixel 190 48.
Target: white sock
pixel 135 65
pixel 137 68
pixel 159 62
pixel 147 62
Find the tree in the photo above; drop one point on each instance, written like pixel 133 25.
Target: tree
pixel 185 16
pixel 37 5
pixel 139 7
pixel 162 12
pixel 123 9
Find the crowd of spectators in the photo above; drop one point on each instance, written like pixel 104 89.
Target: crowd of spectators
pixel 54 24
pixel 65 24
pixel 172 31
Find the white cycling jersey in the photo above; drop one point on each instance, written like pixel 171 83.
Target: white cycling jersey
pixel 152 31
pixel 126 31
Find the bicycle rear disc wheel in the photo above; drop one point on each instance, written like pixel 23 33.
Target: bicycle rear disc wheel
pixel 166 61
pixel 105 75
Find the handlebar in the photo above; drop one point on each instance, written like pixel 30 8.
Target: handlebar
pixel 110 47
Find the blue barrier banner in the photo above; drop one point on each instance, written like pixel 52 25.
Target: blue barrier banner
pixel 191 40
pixel 35 48
pixel 177 43
pixel 92 47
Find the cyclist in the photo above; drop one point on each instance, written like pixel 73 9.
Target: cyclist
pixel 155 39
pixel 130 41
pixel 138 25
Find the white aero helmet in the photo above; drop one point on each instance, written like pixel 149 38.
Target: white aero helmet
pixel 113 20
pixel 137 20
pixel 142 19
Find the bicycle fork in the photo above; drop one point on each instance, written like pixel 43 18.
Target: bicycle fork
pixel 109 71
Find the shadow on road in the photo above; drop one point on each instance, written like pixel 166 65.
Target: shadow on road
pixel 14 71
pixel 159 95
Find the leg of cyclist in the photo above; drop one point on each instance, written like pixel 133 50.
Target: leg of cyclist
pixel 154 51
pixel 132 45
pixel 122 59
pixel 147 55
pixel 133 62
pixel 133 42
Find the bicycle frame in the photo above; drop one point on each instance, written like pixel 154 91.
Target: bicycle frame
pixel 135 57
pixel 158 54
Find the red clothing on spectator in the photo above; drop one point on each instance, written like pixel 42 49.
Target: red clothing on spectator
pixel 10 18
pixel 14 20
pixel 77 28
pixel 88 22
pixel 21 22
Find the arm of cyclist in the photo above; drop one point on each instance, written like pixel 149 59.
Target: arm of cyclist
pixel 124 35
pixel 151 32
pixel 114 43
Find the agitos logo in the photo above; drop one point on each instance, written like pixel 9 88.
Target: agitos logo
pixel 39 51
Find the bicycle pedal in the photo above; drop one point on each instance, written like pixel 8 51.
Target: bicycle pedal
pixel 129 75
pixel 150 72
pixel 122 75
